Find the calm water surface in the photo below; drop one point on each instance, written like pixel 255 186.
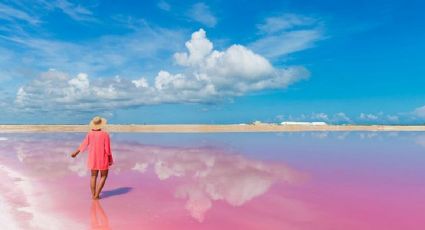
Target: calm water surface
pixel 301 181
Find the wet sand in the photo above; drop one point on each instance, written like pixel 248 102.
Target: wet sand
pixel 203 128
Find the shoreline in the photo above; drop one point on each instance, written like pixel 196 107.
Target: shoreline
pixel 203 128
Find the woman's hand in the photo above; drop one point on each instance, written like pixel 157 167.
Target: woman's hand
pixel 74 154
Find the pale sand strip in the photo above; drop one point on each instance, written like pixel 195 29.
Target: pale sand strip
pixel 194 128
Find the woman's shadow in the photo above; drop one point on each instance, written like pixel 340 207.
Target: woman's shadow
pixel 116 192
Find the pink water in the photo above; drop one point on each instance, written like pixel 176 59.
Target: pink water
pixel 218 181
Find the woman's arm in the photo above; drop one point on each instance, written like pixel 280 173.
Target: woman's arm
pixel 82 146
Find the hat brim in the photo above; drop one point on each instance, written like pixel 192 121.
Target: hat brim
pixel 98 126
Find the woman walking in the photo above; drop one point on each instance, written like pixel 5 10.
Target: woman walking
pixel 100 156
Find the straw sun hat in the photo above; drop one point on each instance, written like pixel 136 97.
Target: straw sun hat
pixel 97 122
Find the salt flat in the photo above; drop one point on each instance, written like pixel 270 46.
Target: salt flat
pixel 226 181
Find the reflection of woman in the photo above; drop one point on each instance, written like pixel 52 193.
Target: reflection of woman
pixel 100 155
pixel 98 218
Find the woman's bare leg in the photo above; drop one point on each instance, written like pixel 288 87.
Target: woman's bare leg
pixel 103 176
pixel 93 180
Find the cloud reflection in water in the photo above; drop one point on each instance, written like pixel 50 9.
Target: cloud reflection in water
pixel 200 175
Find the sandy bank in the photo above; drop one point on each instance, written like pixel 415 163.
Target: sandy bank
pixel 195 128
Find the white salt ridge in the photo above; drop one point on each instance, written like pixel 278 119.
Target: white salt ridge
pixel 3 139
pixel 6 219
pixel 40 218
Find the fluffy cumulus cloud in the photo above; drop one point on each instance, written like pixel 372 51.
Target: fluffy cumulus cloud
pixel 206 76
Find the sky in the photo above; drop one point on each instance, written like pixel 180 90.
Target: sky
pixel 215 62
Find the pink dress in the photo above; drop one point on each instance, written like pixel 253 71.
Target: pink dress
pixel 99 146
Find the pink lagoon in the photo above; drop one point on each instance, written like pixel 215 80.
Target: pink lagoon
pixel 311 180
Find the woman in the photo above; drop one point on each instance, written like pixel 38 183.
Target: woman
pixel 100 155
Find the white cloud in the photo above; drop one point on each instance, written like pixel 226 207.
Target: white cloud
pixel 200 12
pixel 341 117
pixel 209 75
pixel 336 118
pixel 9 13
pixel 420 112
pixel 74 11
pixel 285 22
pixel 81 82
pixel 393 118
pixel 163 5
pixel 141 83
pixel 29 49
pixel 286 43
pixel 320 116
pixel 199 47
pixel 287 34
pixel 235 70
pixel 32 11
pixel 368 117
pixel 132 53
pixel 383 118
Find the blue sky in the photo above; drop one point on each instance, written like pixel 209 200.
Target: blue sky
pixel 212 61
